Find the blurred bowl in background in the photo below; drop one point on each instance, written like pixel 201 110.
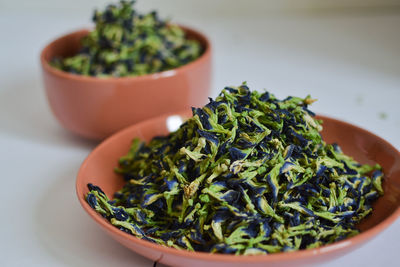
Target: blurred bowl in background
pixel 365 147
pixel 95 107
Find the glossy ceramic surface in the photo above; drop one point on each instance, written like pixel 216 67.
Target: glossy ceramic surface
pixel 361 144
pixel 97 107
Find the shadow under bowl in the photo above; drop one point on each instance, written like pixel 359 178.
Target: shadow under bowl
pixel 364 146
pixel 95 107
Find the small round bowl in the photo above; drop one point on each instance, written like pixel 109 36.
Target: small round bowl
pixel 97 107
pixel 361 144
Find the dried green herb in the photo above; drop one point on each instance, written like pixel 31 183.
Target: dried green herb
pixel 247 174
pixel 126 43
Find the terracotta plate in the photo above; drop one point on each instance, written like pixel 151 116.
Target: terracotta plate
pixel 361 144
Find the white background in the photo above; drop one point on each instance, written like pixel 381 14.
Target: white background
pixel 344 53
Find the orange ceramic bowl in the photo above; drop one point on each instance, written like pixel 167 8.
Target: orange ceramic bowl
pixel 97 107
pixel 361 144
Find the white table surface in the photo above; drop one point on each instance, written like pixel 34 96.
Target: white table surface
pixel 347 58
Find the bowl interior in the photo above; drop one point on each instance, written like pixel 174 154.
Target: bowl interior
pixel 356 142
pixel 65 46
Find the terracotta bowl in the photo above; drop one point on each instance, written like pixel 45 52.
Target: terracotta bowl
pixel 97 107
pixel 361 144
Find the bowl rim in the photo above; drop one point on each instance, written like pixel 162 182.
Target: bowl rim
pixel 354 241
pixel 167 73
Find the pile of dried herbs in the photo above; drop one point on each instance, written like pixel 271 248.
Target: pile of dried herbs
pixel 126 43
pixel 247 174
